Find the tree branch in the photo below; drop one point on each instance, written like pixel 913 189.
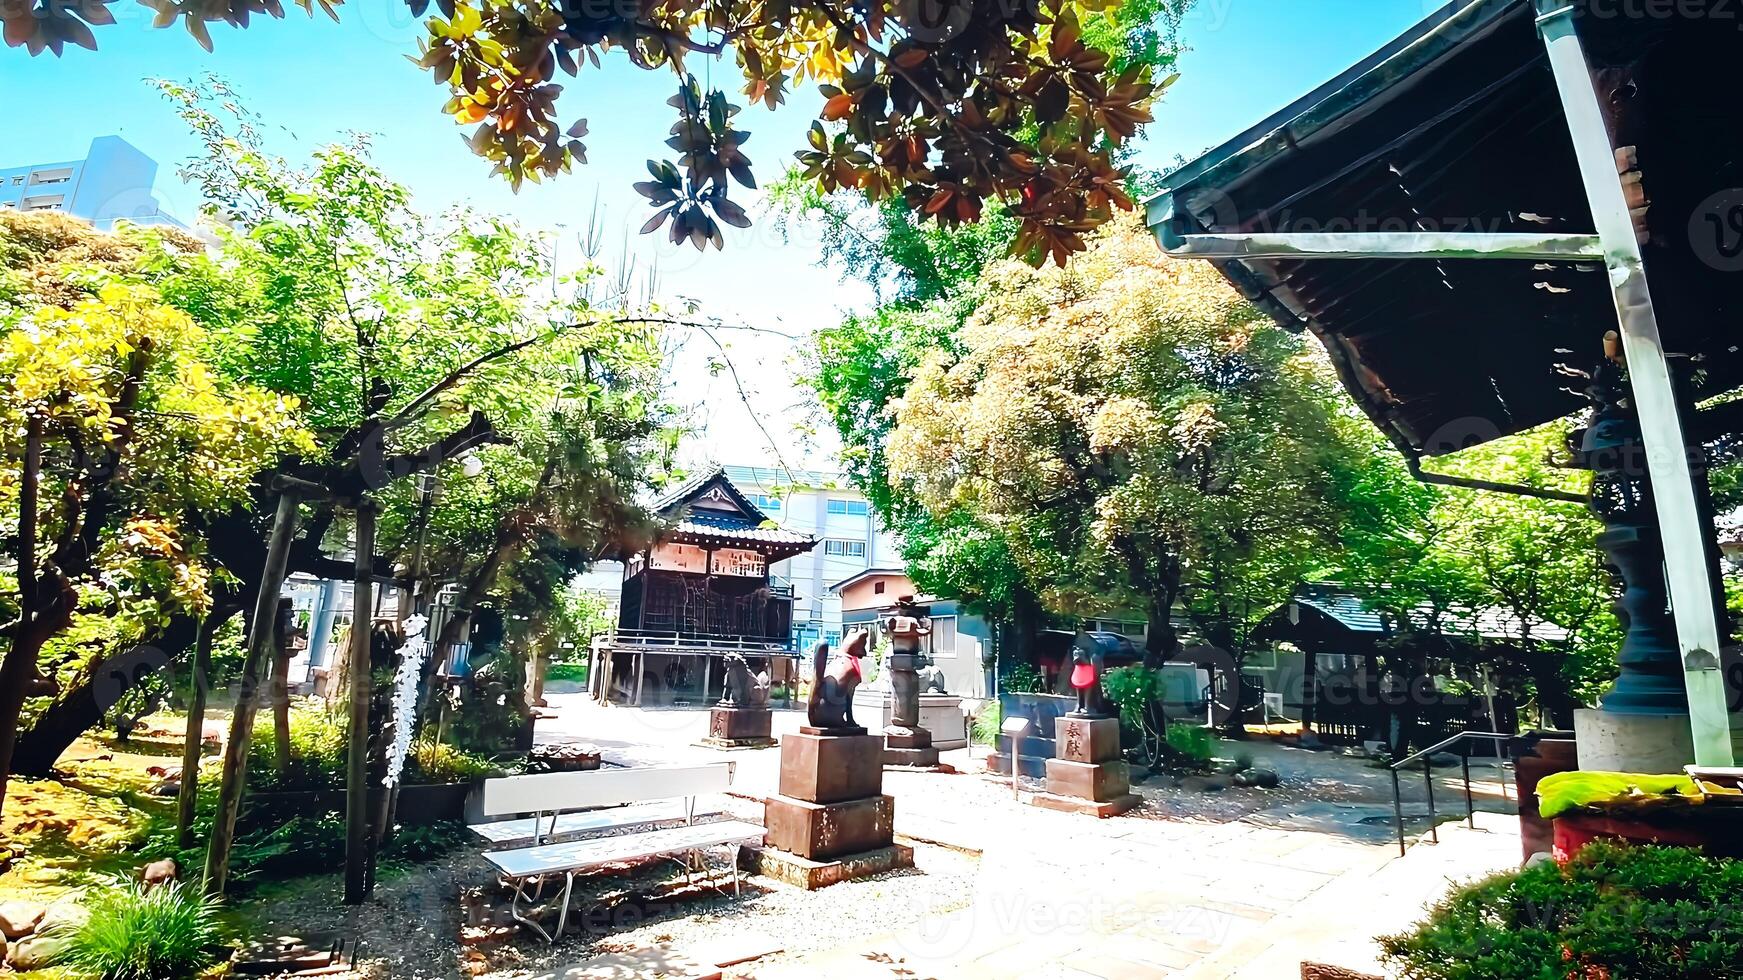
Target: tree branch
pixel 405 415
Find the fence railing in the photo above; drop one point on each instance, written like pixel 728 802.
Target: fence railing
pixel 1425 755
pixel 699 642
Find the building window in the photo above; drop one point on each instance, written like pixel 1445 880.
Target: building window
pixel 851 508
pixel 836 548
pixel 51 176
pixel 877 588
pixel 942 642
pixel 767 502
pixel 17 180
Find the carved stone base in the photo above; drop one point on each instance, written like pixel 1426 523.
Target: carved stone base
pixel 1095 781
pixel 823 831
pixel 1081 739
pixel 811 875
pixel 909 747
pixel 1072 804
pixel 736 727
pixel 831 768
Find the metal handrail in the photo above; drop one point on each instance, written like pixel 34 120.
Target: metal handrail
pixel 1500 738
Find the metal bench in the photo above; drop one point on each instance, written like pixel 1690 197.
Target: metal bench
pixel 631 797
pixel 532 865
pixel 564 804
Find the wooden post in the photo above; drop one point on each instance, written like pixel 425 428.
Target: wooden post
pixel 188 795
pixel 280 689
pixel 260 629
pixel 357 837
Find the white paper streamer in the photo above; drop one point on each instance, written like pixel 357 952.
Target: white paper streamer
pixel 405 695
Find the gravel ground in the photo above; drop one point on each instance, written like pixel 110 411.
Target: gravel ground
pixel 411 925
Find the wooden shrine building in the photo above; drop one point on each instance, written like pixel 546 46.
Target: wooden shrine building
pixel 699 591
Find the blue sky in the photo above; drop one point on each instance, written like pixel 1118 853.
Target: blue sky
pixel 312 80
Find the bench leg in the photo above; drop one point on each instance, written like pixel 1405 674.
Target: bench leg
pixel 563 915
pixel 514 909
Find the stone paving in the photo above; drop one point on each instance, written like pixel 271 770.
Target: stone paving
pixel 1063 895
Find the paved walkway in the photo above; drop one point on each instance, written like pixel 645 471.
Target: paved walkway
pixel 1062 895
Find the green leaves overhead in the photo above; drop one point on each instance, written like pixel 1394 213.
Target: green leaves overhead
pixel 709 150
pixel 948 109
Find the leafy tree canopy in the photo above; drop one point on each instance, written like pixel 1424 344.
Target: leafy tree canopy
pixel 946 107
pixel 1136 430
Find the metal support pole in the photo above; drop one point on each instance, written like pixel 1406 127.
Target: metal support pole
pixel 1470 808
pixel 1428 784
pixel 1398 810
pixel 1654 392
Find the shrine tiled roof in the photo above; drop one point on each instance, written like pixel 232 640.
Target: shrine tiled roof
pixel 712 525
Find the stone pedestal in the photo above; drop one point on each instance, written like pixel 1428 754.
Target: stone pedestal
pixel 1086 774
pixel 1611 741
pixel 831 820
pixel 905 746
pixel 735 727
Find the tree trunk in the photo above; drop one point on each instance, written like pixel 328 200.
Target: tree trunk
pixel 44 607
pixel 358 841
pixel 1160 640
pixel 248 695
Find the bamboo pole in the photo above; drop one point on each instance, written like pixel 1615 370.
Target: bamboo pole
pixel 358 840
pixel 260 629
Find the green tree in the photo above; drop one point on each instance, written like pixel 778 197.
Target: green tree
pixel 1139 433
pixel 407 341
pixel 116 428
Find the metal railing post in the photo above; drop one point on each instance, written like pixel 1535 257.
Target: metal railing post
pixel 1428 783
pixel 1398 810
pixel 1470 808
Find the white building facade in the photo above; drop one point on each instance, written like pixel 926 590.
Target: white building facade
pixel 850 539
pixel 112 183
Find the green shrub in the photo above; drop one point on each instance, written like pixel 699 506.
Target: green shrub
pixel 1130 688
pixel 1612 911
pixel 412 845
pixel 168 933
pixel 1021 678
pixel 990 723
pixel 317 751
pixel 430 761
pixel 566 672
pixel 1194 744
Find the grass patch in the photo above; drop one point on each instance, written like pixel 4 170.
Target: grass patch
pixel 168 933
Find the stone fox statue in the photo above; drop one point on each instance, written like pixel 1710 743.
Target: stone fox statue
pixel 742 688
pixel 831 702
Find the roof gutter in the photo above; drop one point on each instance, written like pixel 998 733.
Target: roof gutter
pixel 1414 462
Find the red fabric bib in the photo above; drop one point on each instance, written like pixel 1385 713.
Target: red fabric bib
pixel 1082 676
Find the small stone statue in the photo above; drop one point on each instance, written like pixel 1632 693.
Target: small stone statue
pixel 1086 671
pixel 742 689
pixel 832 687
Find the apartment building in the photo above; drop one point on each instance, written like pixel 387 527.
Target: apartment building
pixel 850 539
pixel 112 183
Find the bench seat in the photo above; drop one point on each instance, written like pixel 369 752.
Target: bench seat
pixel 527 862
pixel 506 832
